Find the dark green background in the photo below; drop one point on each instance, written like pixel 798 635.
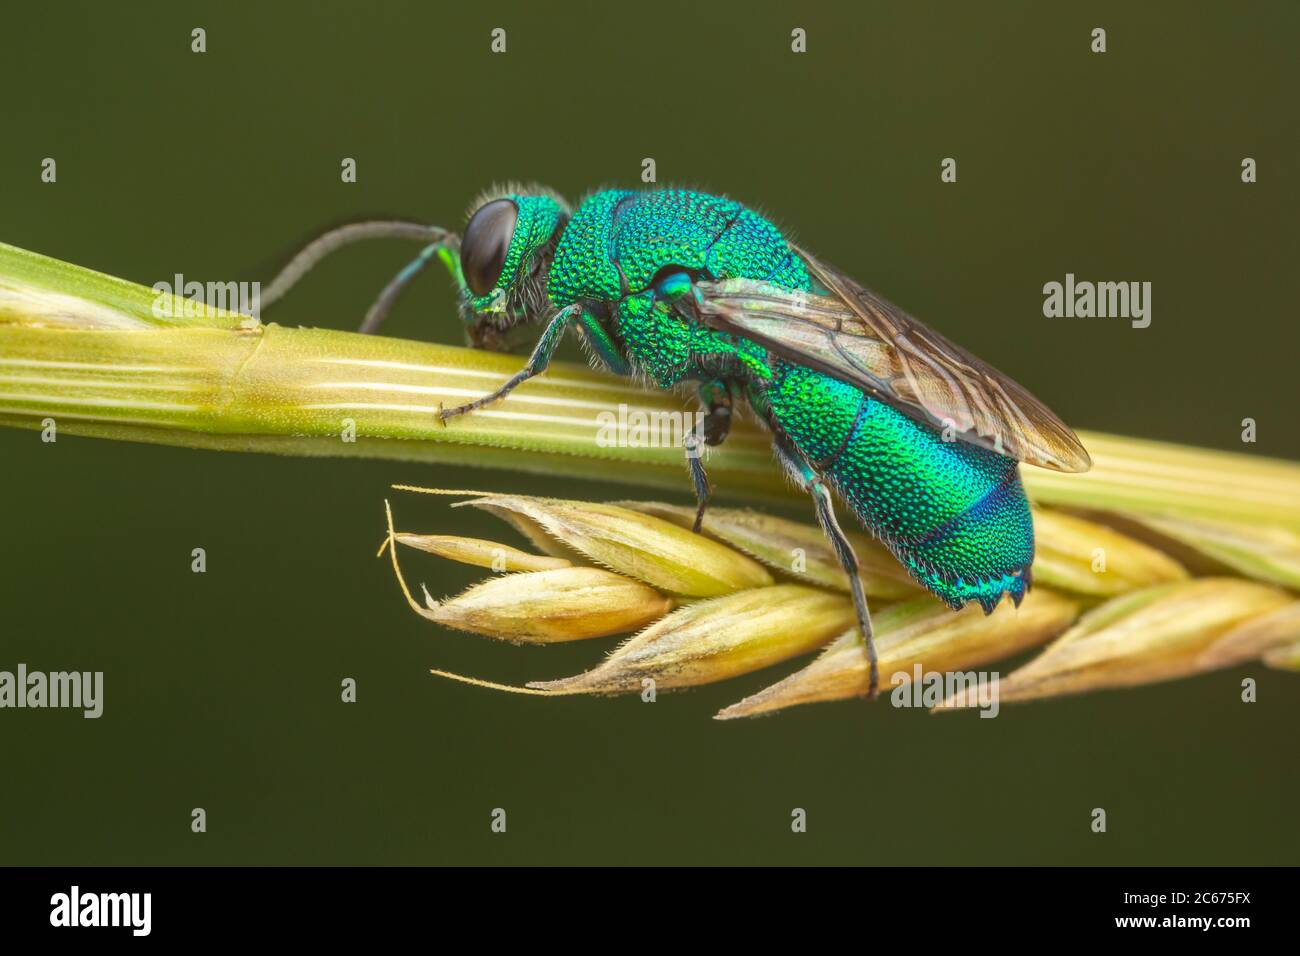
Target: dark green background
pixel 222 689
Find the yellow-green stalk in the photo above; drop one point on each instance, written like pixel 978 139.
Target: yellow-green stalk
pixel 92 353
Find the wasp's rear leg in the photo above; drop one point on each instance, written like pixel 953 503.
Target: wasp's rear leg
pixel 711 429
pixel 675 289
pixel 803 472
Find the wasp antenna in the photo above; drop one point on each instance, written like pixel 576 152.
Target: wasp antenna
pixel 379 310
pixel 323 245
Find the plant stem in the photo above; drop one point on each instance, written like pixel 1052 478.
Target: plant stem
pixel 87 351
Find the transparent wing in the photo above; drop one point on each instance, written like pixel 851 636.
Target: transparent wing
pixel 854 335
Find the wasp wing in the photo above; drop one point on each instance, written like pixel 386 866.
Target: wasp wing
pixel 854 335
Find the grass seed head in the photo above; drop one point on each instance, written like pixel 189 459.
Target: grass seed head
pixel 1154 634
pixel 1265 553
pixel 796 550
pixel 546 607
pixel 480 553
pixel 720 638
pixel 616 568
pixel 1269 635
pixel 921 631
pixel 1284 657
pixel 1082 556
pixel 650 549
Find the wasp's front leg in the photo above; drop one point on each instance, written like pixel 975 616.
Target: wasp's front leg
pixel 711 429
pixel 537 363
pixel 602 345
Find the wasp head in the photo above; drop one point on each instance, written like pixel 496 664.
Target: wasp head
pixel 505 257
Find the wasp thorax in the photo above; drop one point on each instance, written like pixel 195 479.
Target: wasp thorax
pixel 487 240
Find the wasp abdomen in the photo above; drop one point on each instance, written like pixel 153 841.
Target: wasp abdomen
pixel 954 514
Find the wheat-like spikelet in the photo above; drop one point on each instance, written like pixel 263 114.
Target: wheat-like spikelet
pixel 1128 599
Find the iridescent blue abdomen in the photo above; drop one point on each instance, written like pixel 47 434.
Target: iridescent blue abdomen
pixel 954 514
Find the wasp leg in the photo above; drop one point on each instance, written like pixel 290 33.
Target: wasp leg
pixel 323 245
pixel 602 344
pixel 537 363
pixel 711 429
pixel 811 480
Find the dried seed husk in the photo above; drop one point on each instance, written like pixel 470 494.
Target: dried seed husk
pixel 661 554
pixel 543 607
pixel 1265 553
pixel 538 536
pixel 1284 657
pixel 1154 634
pixel 1067 557
pixel 797 550
pixel 716 639
pixel 480 552
pixel 1267 636
pixel 922 631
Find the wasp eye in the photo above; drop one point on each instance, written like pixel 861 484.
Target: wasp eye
pixel 487 239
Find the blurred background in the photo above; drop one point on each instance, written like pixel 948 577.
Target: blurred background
pixel 222 689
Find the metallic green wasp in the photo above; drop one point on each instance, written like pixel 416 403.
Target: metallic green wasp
pixel 921 439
